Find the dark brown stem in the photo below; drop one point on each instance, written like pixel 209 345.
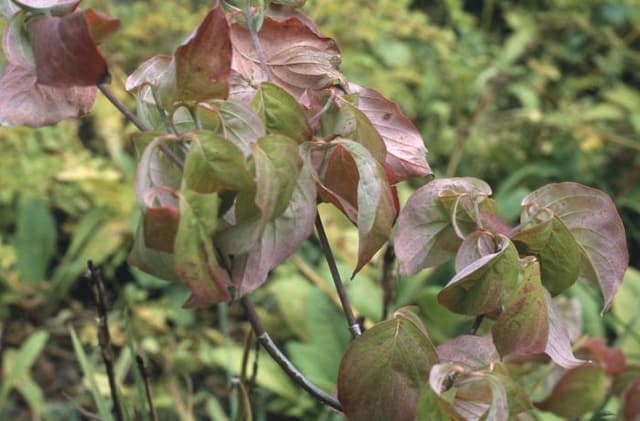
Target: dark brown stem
pixel 147 388
pixel 123 109
pixel 354 327
pixel 387 280
pixel 104 338
pixel 268 344
pixel 476 324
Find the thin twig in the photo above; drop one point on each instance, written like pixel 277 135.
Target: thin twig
pixel 476 324
pixel 387 279
pixel 354 327
pixel 165 120
pixel 256 40
pixel 147 388
pixel 104 338
pixel 281 359
pixel 123 109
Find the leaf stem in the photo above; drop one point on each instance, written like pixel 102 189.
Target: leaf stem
pixel 354 327
pixel 268 344
pixel 256 40
pixel 104 338
pixel 476 324
pixel 387 279
pixel 163 116
pixel 123 109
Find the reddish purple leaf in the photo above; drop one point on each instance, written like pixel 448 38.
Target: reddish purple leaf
pixel 101 26
pixel 425 235
pixel 473 352
pixel 523 325
pixel 64 51
pixel 154 262
pixel 160 228
pixel 406 153
pixel 296 57
pixel 203 62
pixel 631 405
pixel 612 359
pixel 476 245
pixel 592 218
pixel 558 344
pixel 25 102
pixel 577 392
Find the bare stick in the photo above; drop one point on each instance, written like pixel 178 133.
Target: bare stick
pixel 281 359
pixel 123 109
pixel 104 338
pixel 476 324
pixel 147 388
pixel 354 327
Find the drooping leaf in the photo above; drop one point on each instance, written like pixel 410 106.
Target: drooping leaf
pixel 406 152
pixel 160 264
pixel 384 369
pixel 203 62
pixel 579 391
pixel 347 121
pixel 277 166
pixel 55 7
pixel 65 52
pixel 24 102
pixel 556 249
pixel 157 176
pixel 433 407
pixel 195 258
pixel 523 325
pixel 425 235
pixel 280 238
pixel 160 225
pixel 237 121
pixel 482 286
pixel 281 112
pixel 16 43
pixel 214 164
pixel 473 352
pixel 358 184
pixel 296 57
pixel 558 344
pixel 631 406
pixel 591 217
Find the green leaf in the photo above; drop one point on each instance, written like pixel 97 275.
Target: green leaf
pixel 35 240
pixel 626 312
pixel 577 392
pixel 236 121
pixel 556 249
pixel 523 325
pixel 101 402
pixel 425 235
pixel 281 113
pixel 592 218
pixel 345 120
pixel 214 164
pixel 195 258
pixel 384 369
pixel 482 286
pixel 277 167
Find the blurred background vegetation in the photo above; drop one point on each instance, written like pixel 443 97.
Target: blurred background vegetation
pixel 517 92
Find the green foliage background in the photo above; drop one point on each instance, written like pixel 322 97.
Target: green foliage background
pixel 519 93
